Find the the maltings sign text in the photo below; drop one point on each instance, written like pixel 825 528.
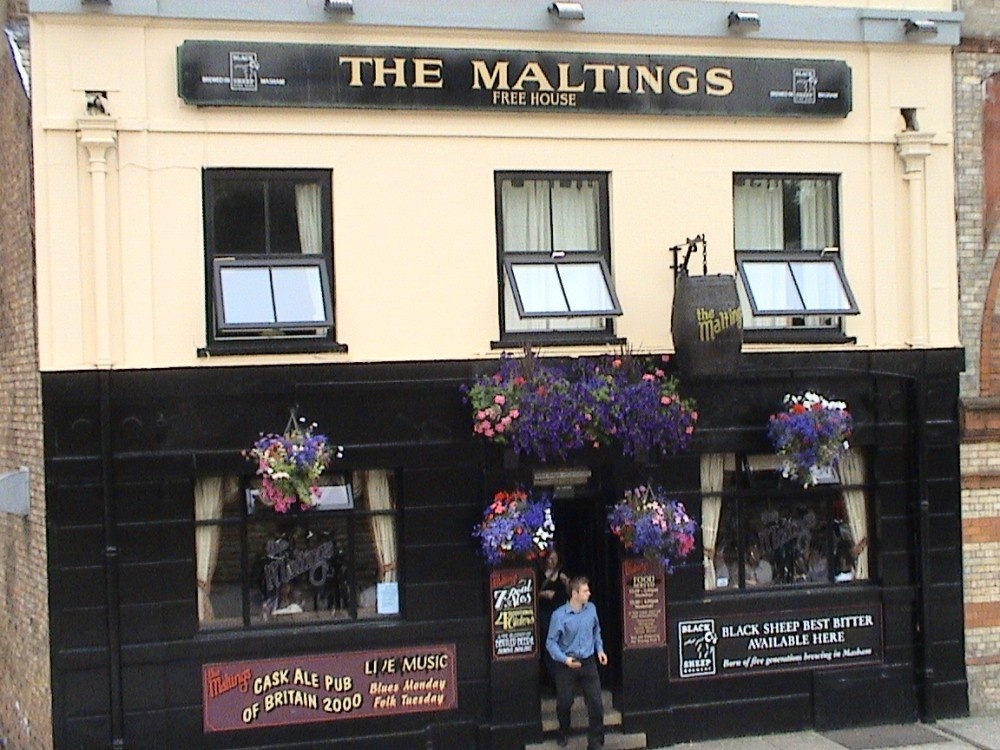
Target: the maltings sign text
pixel 253 74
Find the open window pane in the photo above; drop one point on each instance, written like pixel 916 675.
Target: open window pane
pixel 772 287
pixel 298 295
pixel 586 288
pixel 538 289
pixel 820 286
pixel 246 296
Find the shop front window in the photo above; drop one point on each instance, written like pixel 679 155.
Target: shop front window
pixel 335 562
pixel 761 531
pixel 555 258
pixel 792 282
pixel 269 263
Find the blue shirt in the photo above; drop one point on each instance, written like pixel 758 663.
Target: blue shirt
pixel 576 634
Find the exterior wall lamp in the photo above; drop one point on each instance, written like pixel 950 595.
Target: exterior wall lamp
pixel 920 28
pixel 338 6
pixel 567 11
pixel 744 21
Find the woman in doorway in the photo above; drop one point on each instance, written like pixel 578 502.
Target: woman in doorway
pixel 552 593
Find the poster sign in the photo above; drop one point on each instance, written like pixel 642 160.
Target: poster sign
pixel 259 74
pixel 644 603
pixel 328 687
pixel 776 641
pixel 512 591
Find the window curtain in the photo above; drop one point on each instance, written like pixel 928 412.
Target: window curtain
pixel 309 214
pixel 210 494
pixel 852 472
pixel 542 216
pixel 817 225
pixel 711 511
pixel 379 494
pixel 758 217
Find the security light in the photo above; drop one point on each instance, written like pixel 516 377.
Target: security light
pixel 567 11
pixel 920 28
pixel 338 6
pixel 743 21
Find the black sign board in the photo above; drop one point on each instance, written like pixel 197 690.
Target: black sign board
pixel 257 74
pixel 512 591
pixel 776 641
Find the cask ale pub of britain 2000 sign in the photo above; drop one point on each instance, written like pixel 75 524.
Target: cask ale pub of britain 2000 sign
pixel 258 74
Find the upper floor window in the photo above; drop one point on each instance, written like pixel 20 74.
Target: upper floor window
pixel 269 259
pixel 788 256
pixel 555 257
pixel 334 562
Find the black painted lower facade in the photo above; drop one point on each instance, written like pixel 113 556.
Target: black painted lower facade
pixel 124 450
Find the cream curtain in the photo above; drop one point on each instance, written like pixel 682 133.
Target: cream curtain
pixel 758 217
pixel 379 494
pixel 711 511
pixel 309 214
pixel 852 472
pixel 210 494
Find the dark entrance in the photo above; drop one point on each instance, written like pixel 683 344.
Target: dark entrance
pixel 580 517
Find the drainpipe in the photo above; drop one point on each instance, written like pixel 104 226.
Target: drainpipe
pixel 98 135
pixel 913 147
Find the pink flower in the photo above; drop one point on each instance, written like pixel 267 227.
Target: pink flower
pixel 515 413
pixel 659 373
pixel 665 400
pixel 649 376
pixel 500 399
pixel 689 429
pixel 616 363
pixel 501 427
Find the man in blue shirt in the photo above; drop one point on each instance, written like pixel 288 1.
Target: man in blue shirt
pixel 576 648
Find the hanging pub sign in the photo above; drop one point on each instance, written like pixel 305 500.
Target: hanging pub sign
pixel 512 591
pixel 328 687
pixel 776 641
pixel 707 325
pixel 258 74
pixel 644 603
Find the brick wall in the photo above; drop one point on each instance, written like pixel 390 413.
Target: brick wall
pixel 977 174
pixel 25 695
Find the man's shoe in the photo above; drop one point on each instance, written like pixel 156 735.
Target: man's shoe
pixel 561 740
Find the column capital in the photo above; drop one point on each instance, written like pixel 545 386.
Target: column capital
pixel 97 134
pixel 913 147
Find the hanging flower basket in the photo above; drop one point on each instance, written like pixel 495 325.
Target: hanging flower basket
pixel 810 435
pixel 291 464
pixel 548 411
pixel 515 527
pixel 649 524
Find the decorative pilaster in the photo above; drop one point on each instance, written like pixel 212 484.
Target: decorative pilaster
pixel 98 135
pixel 913 147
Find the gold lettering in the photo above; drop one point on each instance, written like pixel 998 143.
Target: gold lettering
pixel 483 77
pixel 623 83
pixel 533 73
pixel 355 63
pixel 647 78
pixel 397 71
pixel 684 86
pixel 719 82
pixel 564 82
pixel 428 73
pixel 600 71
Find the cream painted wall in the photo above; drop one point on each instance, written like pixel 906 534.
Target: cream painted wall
pixel 413 204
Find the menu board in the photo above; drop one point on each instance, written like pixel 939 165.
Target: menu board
pixel 328 687
pixel 644 603
pixel 512 592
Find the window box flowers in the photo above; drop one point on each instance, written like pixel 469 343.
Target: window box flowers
pixel 515 527
pixel 649 524
pixel 291 464
pixel 810 435
pixel 548 411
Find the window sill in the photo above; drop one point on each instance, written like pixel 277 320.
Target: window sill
pixel 270 346
pixel 556 339
pixel 796 336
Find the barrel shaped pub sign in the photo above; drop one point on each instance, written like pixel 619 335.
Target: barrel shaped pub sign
pixel 707 325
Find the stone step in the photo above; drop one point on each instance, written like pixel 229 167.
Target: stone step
pixel 578 714
pixel 612 741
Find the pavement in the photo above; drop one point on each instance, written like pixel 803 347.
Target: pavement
pixel 981 732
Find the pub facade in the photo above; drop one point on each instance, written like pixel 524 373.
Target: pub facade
pixel 334 217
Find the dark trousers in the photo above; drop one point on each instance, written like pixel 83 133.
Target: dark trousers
pixel 587 677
